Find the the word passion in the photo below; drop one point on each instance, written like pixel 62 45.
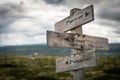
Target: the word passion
pixel 88 59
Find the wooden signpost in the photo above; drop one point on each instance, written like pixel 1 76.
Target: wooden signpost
pixel 75 40
pixel 87 59
pixel 79 18
pixel 83 46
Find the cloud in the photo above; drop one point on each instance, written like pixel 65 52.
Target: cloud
pixel 108 15
pixel 26 22
pixel 105 9
pixel 106 23
pixel 81 3
pixel 30 29
pixel 54 2
pixel 20 39
pixel 10 11
pixel 110 10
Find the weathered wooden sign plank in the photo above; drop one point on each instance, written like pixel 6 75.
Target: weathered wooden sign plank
pixel 79 18
pixel 76 41
pixel 88 59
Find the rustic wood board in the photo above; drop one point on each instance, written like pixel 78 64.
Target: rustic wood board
pixel 88 59
pixel 76 41
pixel 79 18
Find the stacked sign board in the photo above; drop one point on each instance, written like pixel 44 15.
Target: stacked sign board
pixel 79 18
pixel 76 41
pixel 88 59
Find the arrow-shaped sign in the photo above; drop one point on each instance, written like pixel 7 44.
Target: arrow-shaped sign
pixel 79 18
pixel 88 59
pixel 78 41
pixel 86 14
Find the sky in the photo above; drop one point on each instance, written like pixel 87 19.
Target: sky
pixel 26 21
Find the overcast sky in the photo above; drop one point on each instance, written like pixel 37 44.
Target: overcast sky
pixel 26 21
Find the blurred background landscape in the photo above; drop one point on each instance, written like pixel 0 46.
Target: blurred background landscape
pixel 37 62
pixel 42 49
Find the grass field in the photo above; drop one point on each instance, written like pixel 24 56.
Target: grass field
pixel 43 68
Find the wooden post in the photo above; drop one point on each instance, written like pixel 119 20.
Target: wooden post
pixel 77 74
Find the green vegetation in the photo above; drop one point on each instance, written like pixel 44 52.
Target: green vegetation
pixel 43 68
pixel 108 69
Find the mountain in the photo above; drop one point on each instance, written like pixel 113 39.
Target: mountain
pixel 114 49
pixel 31 49
pixel 44 50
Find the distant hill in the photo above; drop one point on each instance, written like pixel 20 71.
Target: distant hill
pixel 31 49
pixel 114 49
pixel 44 50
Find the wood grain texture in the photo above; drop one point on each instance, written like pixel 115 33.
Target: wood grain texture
pixel 76 41
pixel 80 73
pixel 82 60
pixel 79 18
